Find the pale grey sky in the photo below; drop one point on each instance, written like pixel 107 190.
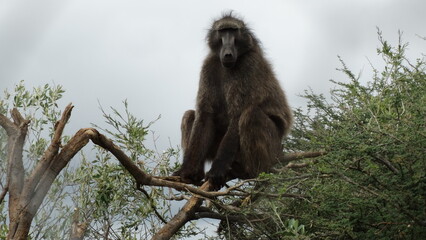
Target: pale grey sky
pixel 150 52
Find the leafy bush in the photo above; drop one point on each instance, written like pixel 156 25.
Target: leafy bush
pixel 371 184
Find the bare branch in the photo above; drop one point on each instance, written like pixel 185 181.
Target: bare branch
pixel 17 118
pixel 140 176
pixel 74 145
pixel 28 207
pixel 299 165
pixel 48 155
pixel 182 217
pixel 286 158
pixel 15 166
pixel 300 155
pixel 8 125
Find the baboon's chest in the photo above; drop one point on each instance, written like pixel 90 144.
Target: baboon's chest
pixel 235 97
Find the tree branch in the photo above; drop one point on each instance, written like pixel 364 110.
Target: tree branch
pixel 182 217
pixel 3 193
pixel 218 216
pixel 8 125
pixel 386 162
pixel 300 155
pixel 187 212
pixel 140 176
pixel 74 145
pixel 34 179
pixel 15 170
pixel 27 209
pixel 26 198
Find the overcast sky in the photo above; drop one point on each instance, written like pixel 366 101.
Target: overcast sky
pixel 150 52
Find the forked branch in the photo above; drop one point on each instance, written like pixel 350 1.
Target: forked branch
pixel 26 195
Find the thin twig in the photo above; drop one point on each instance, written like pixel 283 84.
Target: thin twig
pixel 152 204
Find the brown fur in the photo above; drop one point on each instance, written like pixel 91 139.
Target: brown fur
pixel 241 112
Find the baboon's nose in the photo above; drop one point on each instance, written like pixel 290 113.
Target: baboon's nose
pixel 228 55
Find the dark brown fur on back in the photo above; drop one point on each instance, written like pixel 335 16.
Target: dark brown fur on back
pixel 241 112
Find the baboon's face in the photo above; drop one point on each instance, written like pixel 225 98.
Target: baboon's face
pixel 228 52
pixel 229 39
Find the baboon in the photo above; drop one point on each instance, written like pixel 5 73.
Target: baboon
pixel 241 111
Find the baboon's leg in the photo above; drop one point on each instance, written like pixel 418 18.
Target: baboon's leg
pixel 260 143
pixel 198 136
pixel 186 128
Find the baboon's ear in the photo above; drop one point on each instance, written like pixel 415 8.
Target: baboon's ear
pixel 248 38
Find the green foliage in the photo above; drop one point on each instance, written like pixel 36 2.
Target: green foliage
pixel 370 185
pixel 109 199
pixel 94 189
pixel 128 131
pixel 294 231
pixel 375 137
pixel 40 106
pixel 372 182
